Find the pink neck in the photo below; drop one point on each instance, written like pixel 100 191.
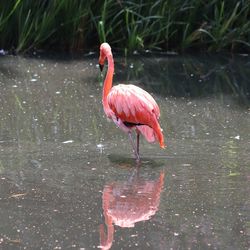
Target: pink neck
pixel 108 80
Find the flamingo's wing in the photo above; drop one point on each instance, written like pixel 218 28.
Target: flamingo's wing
pixel 132 104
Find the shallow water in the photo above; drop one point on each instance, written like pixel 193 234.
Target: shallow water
pixel 68 179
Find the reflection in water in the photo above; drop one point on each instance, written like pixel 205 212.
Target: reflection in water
pixel 128 202
pixel 197 76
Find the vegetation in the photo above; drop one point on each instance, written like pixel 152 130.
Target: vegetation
pixel 133 25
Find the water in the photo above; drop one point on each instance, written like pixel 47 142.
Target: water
pixel 68 179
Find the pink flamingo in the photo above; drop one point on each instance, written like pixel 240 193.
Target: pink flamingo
pixel 129 106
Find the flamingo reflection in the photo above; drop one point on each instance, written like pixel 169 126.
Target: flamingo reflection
pixel 125 203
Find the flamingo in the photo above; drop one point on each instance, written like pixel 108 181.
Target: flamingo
pixel 129 106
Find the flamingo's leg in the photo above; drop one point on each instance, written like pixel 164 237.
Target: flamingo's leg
pixel 137 141
pixel 137 156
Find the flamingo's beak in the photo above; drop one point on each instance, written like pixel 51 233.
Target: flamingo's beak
pixel 101 66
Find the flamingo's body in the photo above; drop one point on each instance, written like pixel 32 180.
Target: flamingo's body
pixel 129 106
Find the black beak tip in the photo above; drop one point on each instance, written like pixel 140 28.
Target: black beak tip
pixel 101 67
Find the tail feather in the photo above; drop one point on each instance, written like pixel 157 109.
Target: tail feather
pixel 160 136
pixel 152 135
pixel 147 132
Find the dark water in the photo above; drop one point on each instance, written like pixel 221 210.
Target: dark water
pixel 68 179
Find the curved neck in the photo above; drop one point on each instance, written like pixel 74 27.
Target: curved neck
pixel 108 80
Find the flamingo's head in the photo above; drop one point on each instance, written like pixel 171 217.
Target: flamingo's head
pixel 105 50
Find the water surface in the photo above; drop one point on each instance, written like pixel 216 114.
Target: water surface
pixel 68 179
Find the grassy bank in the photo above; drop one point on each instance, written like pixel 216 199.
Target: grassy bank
pixel 163 25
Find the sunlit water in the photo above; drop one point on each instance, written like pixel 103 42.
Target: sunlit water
pixel 68 179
